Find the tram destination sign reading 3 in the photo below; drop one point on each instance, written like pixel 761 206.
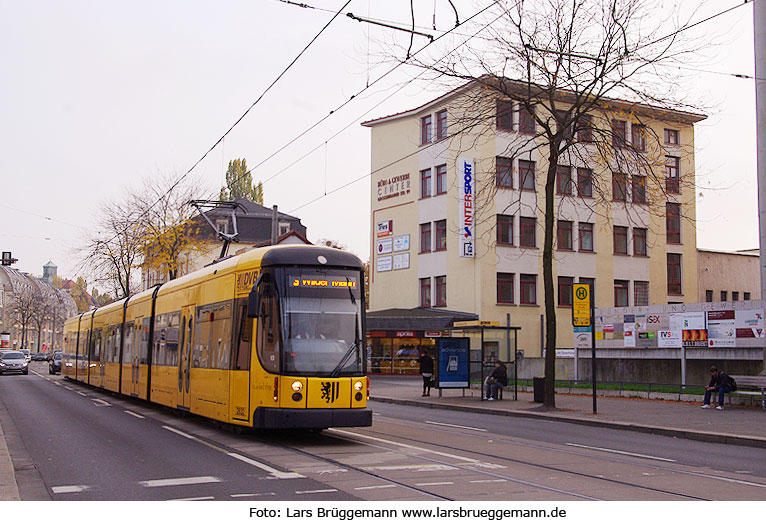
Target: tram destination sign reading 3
pixel 581 305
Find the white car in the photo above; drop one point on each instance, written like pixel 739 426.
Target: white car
pixel 13 362
pixel 27 354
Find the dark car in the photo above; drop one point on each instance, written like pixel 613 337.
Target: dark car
pixel 54 364
pixel 39 357
pixel 13 362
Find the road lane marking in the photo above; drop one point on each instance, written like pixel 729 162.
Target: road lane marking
pixel 183 481
pixel 435 484
pixel 606 450
pixel 240 495
pixel 69 489
pixel 376 487
pixel 192 499
pixel 100 402
pixel 272 471
pixel 494 481
pixel 307 492
pixel 455 425
pixel 359 435
pixel 131 413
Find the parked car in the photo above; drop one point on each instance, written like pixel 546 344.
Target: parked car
pixel 27 354
pixel 13 362
pixel 39 357
pixel 54 364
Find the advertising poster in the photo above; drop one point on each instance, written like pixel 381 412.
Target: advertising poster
pixel 721 330
pixel 385 228
pixel 629 334
pixel 749 323
pixel 467 184
pixel 453 362
pixel 669 339
pixel 694 329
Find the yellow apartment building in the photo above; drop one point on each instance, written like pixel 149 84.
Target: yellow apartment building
pixel 457 200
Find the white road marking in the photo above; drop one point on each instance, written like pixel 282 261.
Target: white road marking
pixel 100 402
pixel 81 393
pixel 274 472
pixel 239 495
pixel 131 413
pixel 487 480
pixel 620 452
pixel 69 489
pixel 316 491
pixel 376 487
pixel 192 499
pixel 358 435
pixel 161 483
pixel 435 484
pixel 455 425
pixel 414 467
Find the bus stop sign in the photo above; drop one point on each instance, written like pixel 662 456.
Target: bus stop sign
pixel 581 303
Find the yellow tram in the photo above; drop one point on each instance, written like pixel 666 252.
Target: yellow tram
pixel 272 338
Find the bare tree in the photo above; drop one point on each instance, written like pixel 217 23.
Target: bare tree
pixel 576 63
pixel 26 307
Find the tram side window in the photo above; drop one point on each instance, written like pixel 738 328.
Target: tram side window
pixel 95 346
pixel 212 342
pixel 113 344
pixel 145 341
pixel 268 329
pixel 82 351
pixel 165 348
pixel 127 352
pixel 241 359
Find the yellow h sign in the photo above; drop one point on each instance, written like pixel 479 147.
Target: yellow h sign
pixel 581 305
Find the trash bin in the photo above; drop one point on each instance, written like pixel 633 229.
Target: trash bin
pixel 538 384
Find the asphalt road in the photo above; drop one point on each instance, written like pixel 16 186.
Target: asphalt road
pixel 71 442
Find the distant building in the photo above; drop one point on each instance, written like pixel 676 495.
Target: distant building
pixel 729 276
pixel 254 224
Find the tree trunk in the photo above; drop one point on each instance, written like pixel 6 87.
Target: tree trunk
pixel 550 305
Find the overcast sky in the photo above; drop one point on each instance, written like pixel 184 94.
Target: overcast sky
pixel 97 95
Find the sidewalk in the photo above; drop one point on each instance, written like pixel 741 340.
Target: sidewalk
pixel 743 425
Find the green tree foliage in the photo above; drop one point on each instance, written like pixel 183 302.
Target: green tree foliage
pixel 239 184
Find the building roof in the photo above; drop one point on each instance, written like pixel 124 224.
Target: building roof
pixel 519 88
pixel 254 220
pixel 752 252
pixel 417 319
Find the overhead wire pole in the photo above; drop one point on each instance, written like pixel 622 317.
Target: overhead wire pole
pixel 759 22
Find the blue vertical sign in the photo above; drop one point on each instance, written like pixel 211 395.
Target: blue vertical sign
pixel 453 362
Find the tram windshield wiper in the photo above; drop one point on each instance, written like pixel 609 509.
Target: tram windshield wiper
pixel 344 360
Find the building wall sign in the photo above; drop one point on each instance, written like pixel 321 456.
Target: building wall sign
pixel 385 264
pixel 401 243
pixel 467 179
pixel 393 187
pixel 385 228
pixel 721 330
pixel 384 246
pixel 749 323
pixel 401 261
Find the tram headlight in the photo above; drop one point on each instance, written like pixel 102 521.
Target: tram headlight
pixel 297 386
pixel 358 386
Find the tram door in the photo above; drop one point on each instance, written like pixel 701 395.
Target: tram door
pixel 133 354
pixel 185 356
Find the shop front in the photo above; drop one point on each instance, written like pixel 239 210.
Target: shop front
pixel 397 352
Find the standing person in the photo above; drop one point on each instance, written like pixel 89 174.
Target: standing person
pixel 426 371
pixel 720 382
pixel 496 380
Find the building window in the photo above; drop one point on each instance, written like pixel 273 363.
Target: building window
pixel 724 295
pixel 638 137
pixel 621 240
pixel 425 183
pixel 619 133
pixel 441 124
pixel 425 292
pixel 674 274
pixel 641 293
pixel 638 193
pixel 585 182
pixel 639 242
pixel 619 187
pixel 441 291
pixel 621 293
pixel 561 116
pixel 734 295
pixel 222 225
pixel 591 282
pixel 504 287
pixel 505 115
pixel 527 228
pixel 504 167
pixel 526 120
pixel 746 296
pixel 564 180
pixel 672 174
pixel 565 291
pixel 673 222
pixel 526 175
pixel 441 179
pixel 708 293
pixel 585 128
pixel 425 237
pixel 504 230
pixel 441 235
pixel 565 235
pixel 528 284
pixel 586 237
pixel 425 130
pixel 671 136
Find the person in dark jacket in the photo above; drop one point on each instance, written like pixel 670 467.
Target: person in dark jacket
pixel 426 371
pixel 719 382
pixel 496 380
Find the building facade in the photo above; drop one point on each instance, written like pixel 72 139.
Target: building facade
pixel 729 276
pixel 457 220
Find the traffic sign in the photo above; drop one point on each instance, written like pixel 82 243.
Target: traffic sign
pixel 581 305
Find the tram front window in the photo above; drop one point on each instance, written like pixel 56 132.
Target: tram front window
pixel 321 322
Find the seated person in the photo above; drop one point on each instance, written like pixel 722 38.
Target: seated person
pixel 497 379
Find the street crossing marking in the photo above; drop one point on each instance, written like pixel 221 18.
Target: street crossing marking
pixel 183 481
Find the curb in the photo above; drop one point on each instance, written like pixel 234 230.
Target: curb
pixel 689 434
